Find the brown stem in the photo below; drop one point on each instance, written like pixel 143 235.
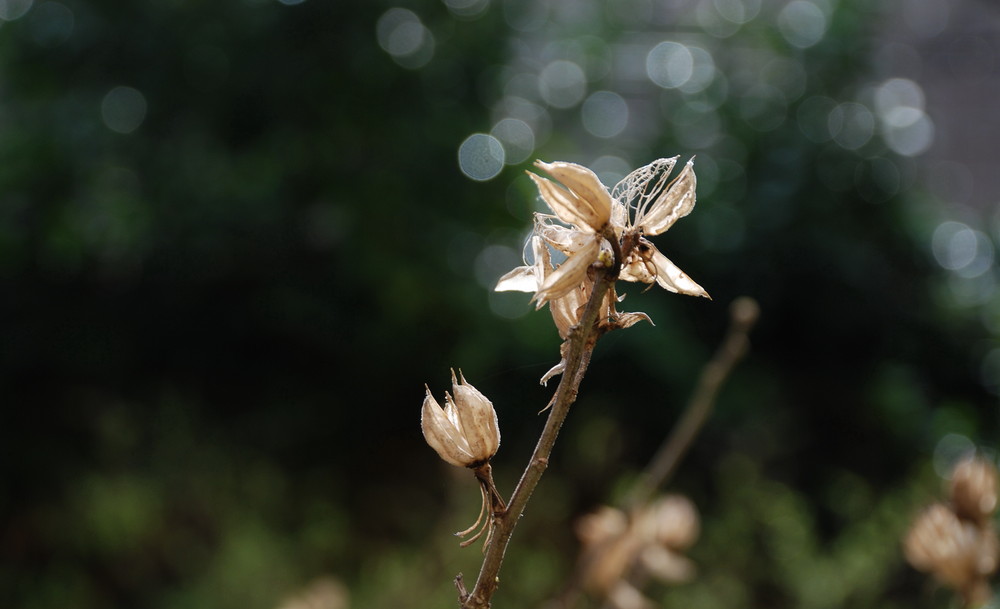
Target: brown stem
pixel 581 345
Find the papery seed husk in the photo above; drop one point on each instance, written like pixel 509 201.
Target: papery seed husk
pixel 566 240
pixel 563 203
pixel 567 309
pixel 520 279
pixel 671 278
pixel 479 420
pixel 676 201
pixel 570 274
pixel 595 202
pixel 442 435
pixel 639 185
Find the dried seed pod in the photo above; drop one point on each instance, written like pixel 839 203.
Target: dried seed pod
pixel 672 521
pixel 973 489
pixel 465 432
pixel 955 551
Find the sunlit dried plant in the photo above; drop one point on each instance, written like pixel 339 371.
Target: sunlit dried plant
pixel 602 236
pixel 957 543
pixel 466 433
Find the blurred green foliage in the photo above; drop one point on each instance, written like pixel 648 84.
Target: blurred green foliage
pixel 235 243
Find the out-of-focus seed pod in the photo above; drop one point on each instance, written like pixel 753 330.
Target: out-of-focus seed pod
pixel 953 550
pixel 973 489
pixel 599 526
pixel 672 521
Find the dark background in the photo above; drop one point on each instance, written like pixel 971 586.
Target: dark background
pixel 236 241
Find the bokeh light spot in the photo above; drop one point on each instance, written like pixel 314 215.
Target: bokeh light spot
pixel 51 23
pixel 957 247
pixel 562 84
pixel 14 9
pixel 851 125
pixel 517 138
pixel 898 92
pixel 604 114
pixel 737 11
pixel 908 131
pixel 123 109
pixel 481 157
pixel 670 64
pixel 404 37
pixel 703 73
pixel 610 169
pixel 802 23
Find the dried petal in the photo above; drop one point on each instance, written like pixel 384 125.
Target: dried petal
pixel 527 278
pixel 641 186
pixel 974 489
pixel 567 309
pixel 553 371
pixel 670 277
pixel 479 419
pixel 521 279
pixel 566 240
pixel 627 320
pixel 593 203
pixel 674 202
pixel 442 435
pixel 570 273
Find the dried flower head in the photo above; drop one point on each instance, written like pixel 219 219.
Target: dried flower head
pixel 973 489
pixel 651 540
pixel 584 203
pixel 466 433
pixel 600 225
pixel 650 203
pixel 959 553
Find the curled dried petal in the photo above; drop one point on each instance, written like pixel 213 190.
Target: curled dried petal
pixel 479 419
pixel 570 273
pixel 674 202
pixel 442 435
pixel 670 277
pixel 592 205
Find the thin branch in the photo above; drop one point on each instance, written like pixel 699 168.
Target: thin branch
pixel 581 345
pixel 743 314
